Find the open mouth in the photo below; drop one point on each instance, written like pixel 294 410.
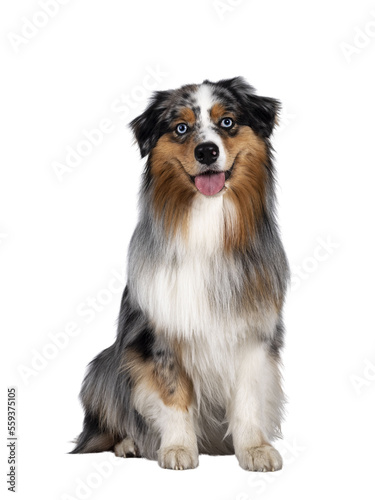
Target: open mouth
pixel 211 182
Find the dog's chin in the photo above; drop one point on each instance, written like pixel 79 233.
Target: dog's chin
pixel 211 181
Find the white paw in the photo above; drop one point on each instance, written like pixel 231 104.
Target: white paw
pixel 126 448
pixel 177 458
pixel 260 458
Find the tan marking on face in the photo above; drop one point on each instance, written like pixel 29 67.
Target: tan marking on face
pixel 246 186
pixel 186 115
pixel 218 111
pixel 169 380
pixel 171 164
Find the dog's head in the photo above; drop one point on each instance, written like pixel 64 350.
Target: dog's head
pixel 208 140
pixel 205 130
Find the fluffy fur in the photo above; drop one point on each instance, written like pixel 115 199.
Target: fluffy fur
pixel 195 367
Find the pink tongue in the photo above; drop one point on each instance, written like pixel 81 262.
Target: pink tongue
pixel 210 184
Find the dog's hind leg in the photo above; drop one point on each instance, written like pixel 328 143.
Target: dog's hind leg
pixel 126 448
pixel 105 412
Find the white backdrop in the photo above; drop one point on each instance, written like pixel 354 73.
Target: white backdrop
pixel 68 209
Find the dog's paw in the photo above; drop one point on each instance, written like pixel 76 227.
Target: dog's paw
pixel 177 458
pixel 126 448
pixel 260 458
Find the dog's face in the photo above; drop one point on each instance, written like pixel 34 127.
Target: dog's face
pixel 205 131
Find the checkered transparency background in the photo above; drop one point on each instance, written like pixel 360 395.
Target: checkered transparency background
pixel 74 73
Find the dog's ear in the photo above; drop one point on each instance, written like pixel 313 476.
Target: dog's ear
pixel 151 124
pixel 259 113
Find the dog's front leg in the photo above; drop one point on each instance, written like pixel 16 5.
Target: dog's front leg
pixel 178 447
pixel 163 395
pixel 255 409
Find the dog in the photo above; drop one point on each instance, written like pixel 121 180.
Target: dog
pixel 195 367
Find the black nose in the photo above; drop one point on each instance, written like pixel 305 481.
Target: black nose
pixel 206 153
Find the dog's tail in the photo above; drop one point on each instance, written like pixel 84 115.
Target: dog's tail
pixel 92 439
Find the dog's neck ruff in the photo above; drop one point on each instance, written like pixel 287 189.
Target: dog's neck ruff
pixel 194 288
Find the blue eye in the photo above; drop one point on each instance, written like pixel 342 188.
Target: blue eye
pixel 226 123
pixel 181 128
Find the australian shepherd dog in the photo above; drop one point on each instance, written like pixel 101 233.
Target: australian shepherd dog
pixel 195 367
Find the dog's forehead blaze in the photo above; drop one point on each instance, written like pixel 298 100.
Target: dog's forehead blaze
pixel 201 107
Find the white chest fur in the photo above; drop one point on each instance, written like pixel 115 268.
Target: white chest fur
pixel 190 293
